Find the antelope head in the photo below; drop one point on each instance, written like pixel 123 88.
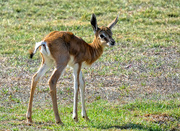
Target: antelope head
pixel 103 34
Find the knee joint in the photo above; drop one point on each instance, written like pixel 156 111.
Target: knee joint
pixel 52 85
pixel 52 82
pixel 35 78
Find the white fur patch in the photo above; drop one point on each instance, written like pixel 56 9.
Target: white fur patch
pixel 42 70
pixel 45 49
pixel 48 63
pixel 75 74
pixel 82 89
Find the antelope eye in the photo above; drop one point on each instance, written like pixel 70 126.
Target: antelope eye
pixel 102 36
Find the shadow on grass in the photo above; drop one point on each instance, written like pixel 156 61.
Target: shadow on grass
pixel 128 126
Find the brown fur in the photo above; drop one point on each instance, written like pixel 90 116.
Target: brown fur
pixel 67 42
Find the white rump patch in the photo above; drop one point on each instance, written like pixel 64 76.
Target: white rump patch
pixel 44 48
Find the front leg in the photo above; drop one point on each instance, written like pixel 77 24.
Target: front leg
pixel 82 91
pixel 77 68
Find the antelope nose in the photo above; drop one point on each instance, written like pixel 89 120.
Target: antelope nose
pixel 113 42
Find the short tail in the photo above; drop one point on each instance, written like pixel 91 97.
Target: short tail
pixel 31 53
pixel 38 44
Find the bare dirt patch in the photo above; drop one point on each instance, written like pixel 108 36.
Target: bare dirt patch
pixel 162 119
pixel 139 81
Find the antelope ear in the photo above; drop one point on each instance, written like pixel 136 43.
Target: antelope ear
pixel 94 23
pixel 113 23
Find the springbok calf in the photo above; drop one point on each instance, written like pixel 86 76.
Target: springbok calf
pixel 62 49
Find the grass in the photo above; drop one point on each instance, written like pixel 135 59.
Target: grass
pixel 139 115
pixel 133 86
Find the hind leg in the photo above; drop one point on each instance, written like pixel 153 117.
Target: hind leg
pixel 42 70
pixel 58 71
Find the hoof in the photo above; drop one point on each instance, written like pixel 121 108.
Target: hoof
pixel 86 118
pixel 60 123
pixel 29 122
pixel 75 119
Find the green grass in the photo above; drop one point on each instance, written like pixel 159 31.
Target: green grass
pixel 139 115
pixel 133 86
